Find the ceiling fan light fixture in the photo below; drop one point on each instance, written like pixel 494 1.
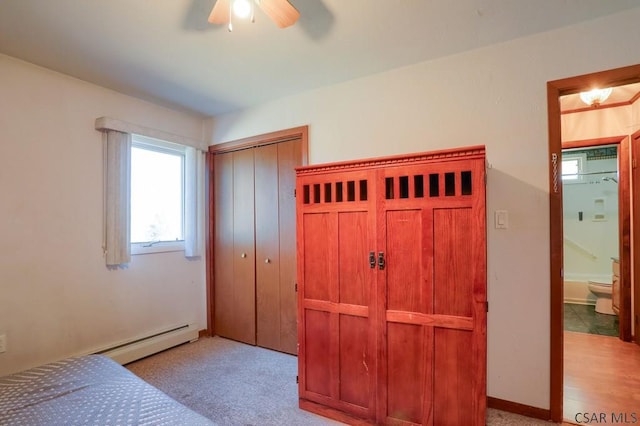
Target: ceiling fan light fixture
pixel 595 97
pixel 281 12
pixel 242 9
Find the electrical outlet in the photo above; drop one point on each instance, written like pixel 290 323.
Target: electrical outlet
pixel 3 343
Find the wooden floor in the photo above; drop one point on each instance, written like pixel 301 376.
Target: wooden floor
pixel 601 378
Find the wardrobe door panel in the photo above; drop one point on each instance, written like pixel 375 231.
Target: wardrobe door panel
pixel 354 294
pixel 318 371
pixel 337 232
pixel 244 290
pixel 267 247
pixel 454 375
pixel 290 156
pixel 355 359
pixel 453 274
pixel 320 238
pixel 353 249
pixel 408 372
pixel 408 284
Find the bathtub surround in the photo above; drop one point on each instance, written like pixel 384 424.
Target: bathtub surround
pixel 590 220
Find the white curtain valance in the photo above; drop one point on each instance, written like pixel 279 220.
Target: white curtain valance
pixel 104 124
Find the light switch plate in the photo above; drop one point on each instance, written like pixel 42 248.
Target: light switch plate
pixel 502 219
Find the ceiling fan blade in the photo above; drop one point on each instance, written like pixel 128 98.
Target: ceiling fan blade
pixel 280 11
pixel 220 12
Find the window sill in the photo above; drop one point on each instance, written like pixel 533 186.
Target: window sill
pixel 144 248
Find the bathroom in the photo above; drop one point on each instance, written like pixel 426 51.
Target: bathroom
pixel 591 238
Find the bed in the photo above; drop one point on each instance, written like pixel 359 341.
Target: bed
pixel 89 390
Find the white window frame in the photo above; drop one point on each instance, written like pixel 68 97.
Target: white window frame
pixel 152 144
pixel 580 160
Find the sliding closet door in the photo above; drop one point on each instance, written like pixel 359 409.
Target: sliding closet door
pixel 267 247
pixel 275 245
pixel 235 246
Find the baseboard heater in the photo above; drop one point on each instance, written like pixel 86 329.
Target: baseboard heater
pixel 135 349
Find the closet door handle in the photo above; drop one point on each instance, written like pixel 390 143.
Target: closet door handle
pixel 381 262
pixel 372 259
pixel 267 260
pixel 243 255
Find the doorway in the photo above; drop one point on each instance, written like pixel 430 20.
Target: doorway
pixel 595 221
pixel 555 90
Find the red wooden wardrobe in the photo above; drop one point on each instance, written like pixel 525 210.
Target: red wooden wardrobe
pixel 392 293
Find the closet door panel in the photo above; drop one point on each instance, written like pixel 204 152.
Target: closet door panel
pixel 223 245
pixel 290 156
pixel 268 301
pixel 244 295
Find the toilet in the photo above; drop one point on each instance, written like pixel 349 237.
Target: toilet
pixel 602 291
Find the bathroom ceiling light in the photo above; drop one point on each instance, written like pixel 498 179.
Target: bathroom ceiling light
pixel 596 96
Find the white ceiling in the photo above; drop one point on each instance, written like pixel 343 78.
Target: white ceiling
pixel 165 50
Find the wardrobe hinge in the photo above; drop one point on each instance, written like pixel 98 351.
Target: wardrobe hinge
pixel 296 287
pixel 487 305
pixel 297 381
pixel 294 193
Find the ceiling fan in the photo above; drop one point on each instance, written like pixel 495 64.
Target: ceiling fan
pixel 280 11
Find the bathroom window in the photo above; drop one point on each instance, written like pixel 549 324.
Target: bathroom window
pixel 572 167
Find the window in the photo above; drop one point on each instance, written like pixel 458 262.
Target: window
pixel 572 168
pixel 157 195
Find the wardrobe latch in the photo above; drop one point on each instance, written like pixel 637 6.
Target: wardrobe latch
pixel 372 259
pixel 381 260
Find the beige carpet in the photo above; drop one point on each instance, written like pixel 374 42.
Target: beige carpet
pixel 236 384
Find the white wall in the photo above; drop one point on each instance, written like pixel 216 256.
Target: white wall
pixel 494 96
pixel 57 298
pixel 599 123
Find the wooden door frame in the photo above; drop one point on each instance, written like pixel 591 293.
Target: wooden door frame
pixel 285 135
pixel 635 227
pixel 555 89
